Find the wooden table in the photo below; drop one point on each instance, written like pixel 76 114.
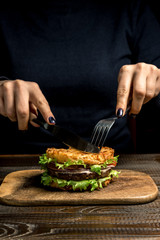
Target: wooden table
pixel 82 222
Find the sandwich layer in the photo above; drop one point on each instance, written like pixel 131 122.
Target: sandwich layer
pixel 87 184
pixel 70 187
pixel 77 172
pixel 62 155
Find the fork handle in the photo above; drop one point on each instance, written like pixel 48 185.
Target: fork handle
pixel 128 108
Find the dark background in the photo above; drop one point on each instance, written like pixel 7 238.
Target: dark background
pixel 148 120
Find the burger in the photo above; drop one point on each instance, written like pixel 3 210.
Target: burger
pixel 74 170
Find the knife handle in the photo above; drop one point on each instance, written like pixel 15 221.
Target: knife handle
pixel 41 123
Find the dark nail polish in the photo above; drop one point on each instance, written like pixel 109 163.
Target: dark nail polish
pixel 120 113
pixel 51 120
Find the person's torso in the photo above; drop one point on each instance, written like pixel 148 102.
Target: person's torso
pixel 74 52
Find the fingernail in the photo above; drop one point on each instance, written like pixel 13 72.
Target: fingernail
pixel 51 120
pixel 120 113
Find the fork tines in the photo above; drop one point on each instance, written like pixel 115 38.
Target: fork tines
pixel 101 131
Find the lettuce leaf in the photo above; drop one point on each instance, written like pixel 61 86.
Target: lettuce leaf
pixel 46 179
pixel 114 173
pixel 96 168
pixel 44 161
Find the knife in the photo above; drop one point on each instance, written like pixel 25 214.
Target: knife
pixel 67 137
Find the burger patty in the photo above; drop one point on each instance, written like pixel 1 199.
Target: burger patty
pixel 76 172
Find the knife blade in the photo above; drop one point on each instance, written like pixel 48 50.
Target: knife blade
pixel 67 137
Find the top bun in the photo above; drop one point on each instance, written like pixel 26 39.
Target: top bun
pixel 63 155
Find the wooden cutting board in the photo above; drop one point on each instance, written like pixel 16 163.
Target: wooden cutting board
pixel 23 188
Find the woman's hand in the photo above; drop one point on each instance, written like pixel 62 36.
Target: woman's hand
pixel 138 82
pixel 19 101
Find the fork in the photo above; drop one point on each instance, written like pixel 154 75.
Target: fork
pixel 101 130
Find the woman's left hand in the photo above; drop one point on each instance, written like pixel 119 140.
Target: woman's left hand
pixel 137 82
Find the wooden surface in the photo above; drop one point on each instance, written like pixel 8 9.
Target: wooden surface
pixel 140 221
pixel 23 188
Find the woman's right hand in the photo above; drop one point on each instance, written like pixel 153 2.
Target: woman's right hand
pixel 20 100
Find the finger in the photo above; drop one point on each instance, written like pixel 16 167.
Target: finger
pixel 150 88
pixel 9 103
pixel 33 114
pixel 2 109
pixel 139 92
pixel 22 107
pixel 39 100
pixel 31 117
pixel 33 109
pixel 124 86
pixel 157 88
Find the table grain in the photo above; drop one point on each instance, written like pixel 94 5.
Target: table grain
pixel 140 221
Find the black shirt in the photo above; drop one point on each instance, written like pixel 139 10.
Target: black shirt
pixel 74 50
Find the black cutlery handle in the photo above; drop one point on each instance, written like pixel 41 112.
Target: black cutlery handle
pixel 41 123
